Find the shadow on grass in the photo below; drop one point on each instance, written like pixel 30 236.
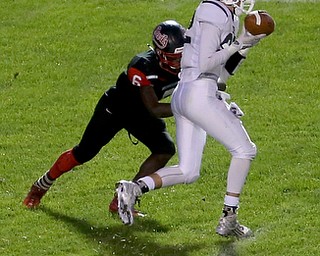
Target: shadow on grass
pixel 227 247
pixel 123 240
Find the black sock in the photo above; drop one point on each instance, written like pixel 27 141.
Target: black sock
pixel 229 210
pixel 144 188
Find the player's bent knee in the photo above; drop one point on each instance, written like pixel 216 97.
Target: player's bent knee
pixel 253 152
pixel 172 149
pixel 246 153
pixel 191 179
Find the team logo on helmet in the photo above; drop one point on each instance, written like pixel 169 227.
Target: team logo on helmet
pixel 161 40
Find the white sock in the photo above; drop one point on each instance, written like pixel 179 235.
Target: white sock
pixel 231 201
pixel 148 181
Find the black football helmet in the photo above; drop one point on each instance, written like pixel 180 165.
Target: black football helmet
pixel 168 39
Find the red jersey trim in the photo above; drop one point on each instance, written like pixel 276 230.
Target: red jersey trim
pixel 137 77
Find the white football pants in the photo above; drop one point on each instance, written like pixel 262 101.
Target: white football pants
pixel 199 112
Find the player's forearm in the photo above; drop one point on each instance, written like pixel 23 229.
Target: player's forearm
pixel 210 57
pixel 162 110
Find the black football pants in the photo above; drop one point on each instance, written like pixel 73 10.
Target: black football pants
pixel 104 125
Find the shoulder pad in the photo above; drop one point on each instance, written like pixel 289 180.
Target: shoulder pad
pixel 142 61
pixel 212 12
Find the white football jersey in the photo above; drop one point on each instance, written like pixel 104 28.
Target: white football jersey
pixel 200 110
pixel 213 27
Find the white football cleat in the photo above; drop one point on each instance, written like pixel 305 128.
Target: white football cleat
pixel 229 226
pixel 128 193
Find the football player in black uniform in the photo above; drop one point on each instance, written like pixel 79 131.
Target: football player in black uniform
pixel 132 104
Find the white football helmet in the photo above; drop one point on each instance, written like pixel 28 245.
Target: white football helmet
pixel 241 6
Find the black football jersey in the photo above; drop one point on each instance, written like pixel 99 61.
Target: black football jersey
pixel 144 70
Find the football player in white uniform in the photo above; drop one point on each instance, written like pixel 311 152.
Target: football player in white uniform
pixel 211 51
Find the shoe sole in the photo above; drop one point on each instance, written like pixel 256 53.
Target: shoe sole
pixel 125 213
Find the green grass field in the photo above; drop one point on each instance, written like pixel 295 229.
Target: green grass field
pixel 58 57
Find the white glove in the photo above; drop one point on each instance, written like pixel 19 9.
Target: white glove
pixel 234 47
pixel 244 41
pixel 244 52
pixel 248 40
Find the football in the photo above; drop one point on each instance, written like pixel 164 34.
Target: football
pixel 259 22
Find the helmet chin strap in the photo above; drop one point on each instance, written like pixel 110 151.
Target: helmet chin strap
pixel 169 69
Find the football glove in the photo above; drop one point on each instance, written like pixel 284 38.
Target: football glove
pixel 244 41
pixel 248 40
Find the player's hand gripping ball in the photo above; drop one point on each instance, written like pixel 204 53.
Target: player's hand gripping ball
pixel 259 22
